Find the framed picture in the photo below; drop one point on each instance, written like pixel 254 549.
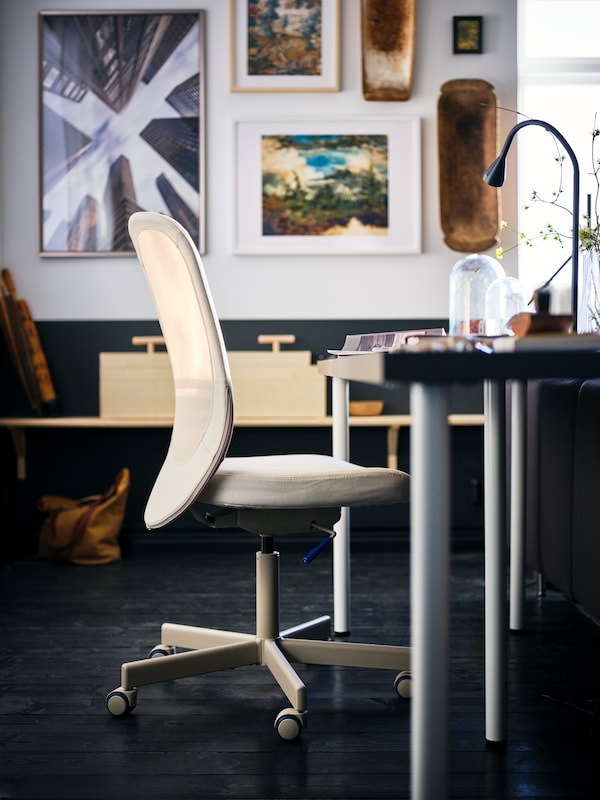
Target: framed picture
pixel 328 186
pixel 122 120
pixel 467 34
pixel 284 45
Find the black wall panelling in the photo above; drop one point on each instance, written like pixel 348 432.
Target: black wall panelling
pixel 72 350
pixel 76 462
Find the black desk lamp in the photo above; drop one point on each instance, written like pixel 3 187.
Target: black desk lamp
pixel 495 175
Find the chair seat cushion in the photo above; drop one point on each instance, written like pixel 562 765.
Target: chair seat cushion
pixel 300 481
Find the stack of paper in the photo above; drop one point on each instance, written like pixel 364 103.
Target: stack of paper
pixel 382 342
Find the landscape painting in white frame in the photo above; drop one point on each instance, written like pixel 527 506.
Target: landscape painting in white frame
pixel 284 45
pixel 328 186
pixel 122 117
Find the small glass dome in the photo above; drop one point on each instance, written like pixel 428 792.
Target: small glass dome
pixel 469 281
pixel 504 298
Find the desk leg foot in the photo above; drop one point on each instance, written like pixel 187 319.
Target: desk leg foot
pixel 498 747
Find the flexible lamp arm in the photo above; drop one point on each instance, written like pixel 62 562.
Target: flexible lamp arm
pixel 495 175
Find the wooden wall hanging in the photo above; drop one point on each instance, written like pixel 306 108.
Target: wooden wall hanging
pixel 467 145
pixel 388 43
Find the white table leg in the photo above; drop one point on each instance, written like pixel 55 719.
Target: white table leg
pixel 518 482
pixel 430 568
pixel 496 602
pixel 341 543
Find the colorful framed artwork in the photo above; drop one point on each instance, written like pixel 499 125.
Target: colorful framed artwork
pixel 328 186
pixel 467 34
pixel 284 45
pixel 122 120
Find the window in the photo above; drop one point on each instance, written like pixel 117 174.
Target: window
pixel 559 82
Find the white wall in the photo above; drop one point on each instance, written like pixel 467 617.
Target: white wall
pixel 251 287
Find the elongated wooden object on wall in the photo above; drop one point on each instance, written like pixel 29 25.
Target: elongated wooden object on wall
pixel 467 145
pixel 388 43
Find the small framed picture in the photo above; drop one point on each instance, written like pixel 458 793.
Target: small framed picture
pixel 467 34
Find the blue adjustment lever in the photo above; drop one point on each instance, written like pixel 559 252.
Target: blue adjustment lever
pixel 316 550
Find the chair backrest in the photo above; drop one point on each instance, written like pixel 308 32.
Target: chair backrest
pixel 203 421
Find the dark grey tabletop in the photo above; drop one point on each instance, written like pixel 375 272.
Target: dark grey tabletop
pixel 464 367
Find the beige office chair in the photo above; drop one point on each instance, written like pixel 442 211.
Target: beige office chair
pixel 265 495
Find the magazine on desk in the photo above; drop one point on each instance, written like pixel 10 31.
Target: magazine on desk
pixel 383 342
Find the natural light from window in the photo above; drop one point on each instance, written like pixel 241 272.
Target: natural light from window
pixel 559 82
pixel 561 29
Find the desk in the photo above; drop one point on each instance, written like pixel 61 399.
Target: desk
pixel 430 376
pixel 17 426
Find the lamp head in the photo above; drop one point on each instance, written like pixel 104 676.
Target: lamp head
pixel 495 174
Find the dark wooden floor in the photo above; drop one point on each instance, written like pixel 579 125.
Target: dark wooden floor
pixel 65 631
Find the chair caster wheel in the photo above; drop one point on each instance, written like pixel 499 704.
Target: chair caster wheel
pixel 121 701
pixel 289 723
pixel 403 684
pixel 161 650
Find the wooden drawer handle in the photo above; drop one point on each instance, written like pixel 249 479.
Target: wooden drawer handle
pixel 276 340
pixel 149 342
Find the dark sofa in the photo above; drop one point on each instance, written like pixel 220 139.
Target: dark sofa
pixel 563 487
